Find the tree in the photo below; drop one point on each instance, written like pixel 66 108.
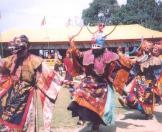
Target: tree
pixel 145 12
pixel 159 17
pixel 100 11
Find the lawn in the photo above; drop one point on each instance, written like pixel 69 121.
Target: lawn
pixel 61 116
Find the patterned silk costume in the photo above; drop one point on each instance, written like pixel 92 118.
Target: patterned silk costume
pixel 121 73
pixel 19 88
pixel 94 96
pixel 143 91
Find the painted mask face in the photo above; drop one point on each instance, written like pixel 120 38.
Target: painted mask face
pixel 146 46
pixel 19 44
pixel 156 50
pixel 101 27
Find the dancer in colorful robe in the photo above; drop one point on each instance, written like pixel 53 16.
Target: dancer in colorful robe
pixel 26 76
pixel 156 54
pixel 142 90
pixel 94 96
pixel 121 72
pixel 70 72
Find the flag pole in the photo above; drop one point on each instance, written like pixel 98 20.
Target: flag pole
pixel 44 23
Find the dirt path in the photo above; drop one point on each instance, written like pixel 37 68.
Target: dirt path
pixel 130 121
pixel 134 122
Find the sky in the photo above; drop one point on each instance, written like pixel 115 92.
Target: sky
pixel 30 13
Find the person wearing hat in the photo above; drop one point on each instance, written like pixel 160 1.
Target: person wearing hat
pixel 94 96
pixel 26 76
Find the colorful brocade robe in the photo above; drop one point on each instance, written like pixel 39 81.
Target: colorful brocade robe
pixel 17 90
pixel 94 91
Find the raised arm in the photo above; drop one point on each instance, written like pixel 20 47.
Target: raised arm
pixel 73 48
pixel 76 56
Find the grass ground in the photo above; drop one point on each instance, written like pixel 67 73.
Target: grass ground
pixel 61 116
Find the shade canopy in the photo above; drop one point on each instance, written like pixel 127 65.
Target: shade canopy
pixel 60 34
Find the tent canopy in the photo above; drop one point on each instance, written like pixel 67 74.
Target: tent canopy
pixel 60 34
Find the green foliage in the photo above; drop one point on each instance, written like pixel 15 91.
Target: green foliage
pixel 145 12
pixel 107 7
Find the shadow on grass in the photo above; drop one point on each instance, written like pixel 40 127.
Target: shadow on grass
pixel 136 115
pixel 102 128
pixel 158 116
pixel 121 124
